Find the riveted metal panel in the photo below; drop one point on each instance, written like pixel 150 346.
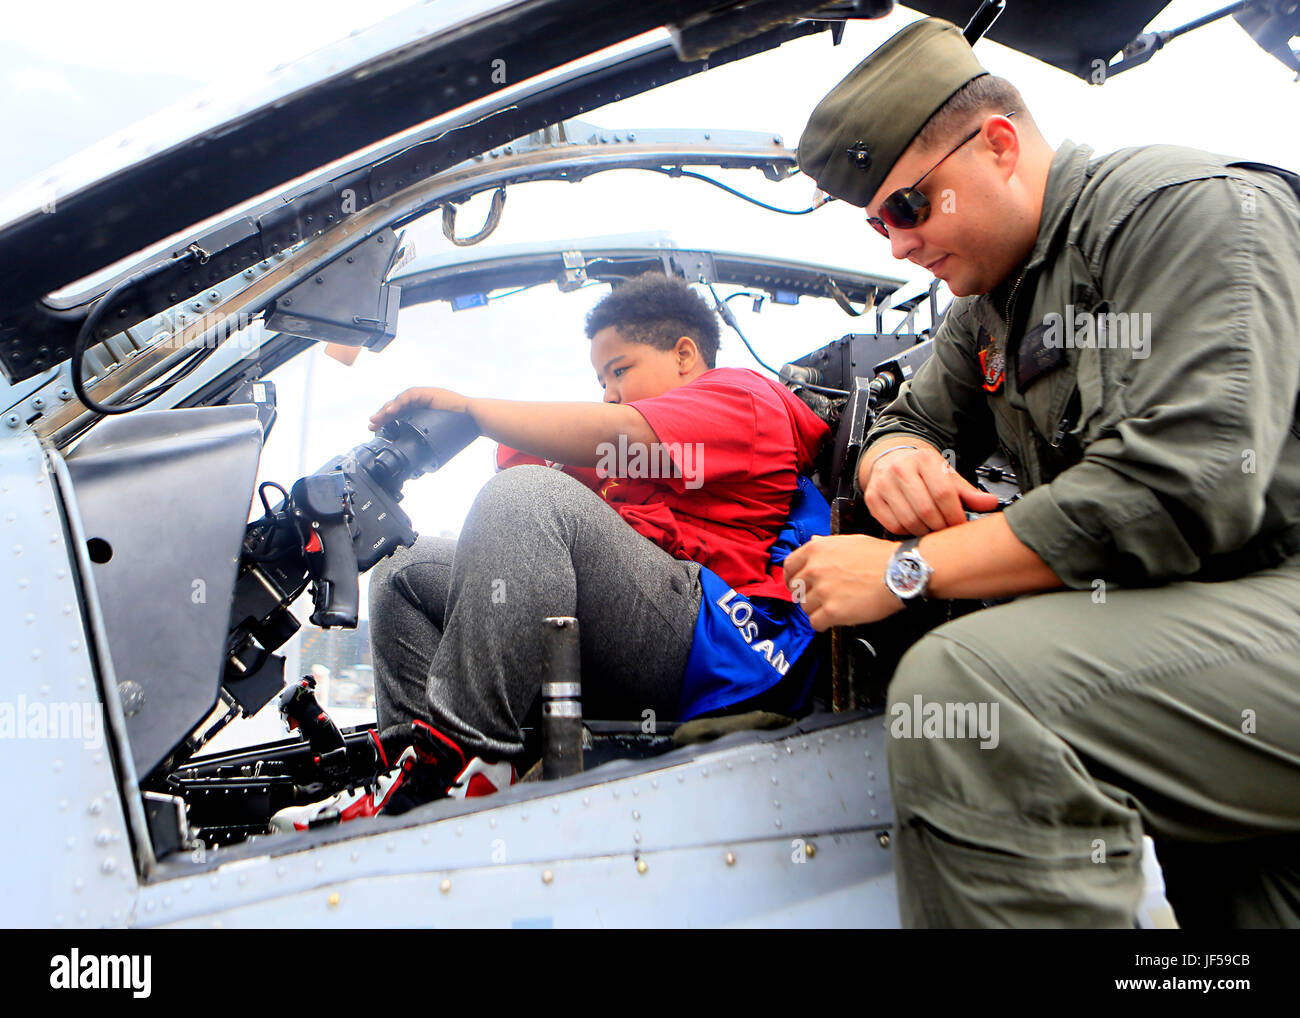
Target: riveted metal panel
pixel 599 835
pixel 66 861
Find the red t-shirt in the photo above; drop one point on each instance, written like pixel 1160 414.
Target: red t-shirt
pixel 718 491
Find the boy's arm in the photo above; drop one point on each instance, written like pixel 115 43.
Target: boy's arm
pixel 566 432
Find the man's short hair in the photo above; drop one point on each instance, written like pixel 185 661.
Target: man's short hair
pixel 658 310
pixel 966 107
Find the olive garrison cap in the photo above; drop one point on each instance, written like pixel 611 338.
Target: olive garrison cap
pixel 858 132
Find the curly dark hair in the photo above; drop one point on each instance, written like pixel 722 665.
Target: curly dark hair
pixel 658 310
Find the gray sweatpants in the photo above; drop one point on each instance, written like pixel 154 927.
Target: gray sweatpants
pixel 455 627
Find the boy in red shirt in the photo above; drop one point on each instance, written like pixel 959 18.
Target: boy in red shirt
pixel 683 465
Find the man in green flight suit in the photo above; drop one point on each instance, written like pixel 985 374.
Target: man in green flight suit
pixel 1127 329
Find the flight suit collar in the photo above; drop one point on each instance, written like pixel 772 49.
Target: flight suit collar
pixel 1065 181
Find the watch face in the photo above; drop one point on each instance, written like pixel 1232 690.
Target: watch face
pixel 907 575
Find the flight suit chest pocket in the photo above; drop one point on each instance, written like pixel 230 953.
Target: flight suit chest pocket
pixel 1046 380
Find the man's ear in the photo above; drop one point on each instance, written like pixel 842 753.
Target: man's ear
pixel 1004 139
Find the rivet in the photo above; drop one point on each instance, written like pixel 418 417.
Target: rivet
pixel 107 867
pixel 356 856
pixel 681 778
pixel 731 858
pixel 58 766
pixel 641 867
pixel 555 807
pixel 492 821
pixel 883 838
pixel 96 807
pixel 547 876
pixel 334 900
pixel 586 800
pixel 810 850
pixel 776 803
pixel 445 886
pixel 636 836
pixel 778 823
pixel 636 815
pixel 775 780
pixel 704 772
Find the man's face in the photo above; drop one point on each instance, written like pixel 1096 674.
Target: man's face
pixel 629 371
pixel 975 234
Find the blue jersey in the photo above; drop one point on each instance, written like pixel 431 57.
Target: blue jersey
pixel 743 646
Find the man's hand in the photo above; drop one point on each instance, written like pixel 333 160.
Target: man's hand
pixel 840 581
pixel 434 399
pixel 916 491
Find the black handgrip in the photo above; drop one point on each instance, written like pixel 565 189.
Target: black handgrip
pixel 430 437
pixel 334 564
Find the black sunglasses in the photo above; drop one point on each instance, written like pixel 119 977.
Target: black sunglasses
pixel 907 208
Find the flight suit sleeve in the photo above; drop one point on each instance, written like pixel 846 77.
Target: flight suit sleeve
pixel 944 403
pixel 1180 444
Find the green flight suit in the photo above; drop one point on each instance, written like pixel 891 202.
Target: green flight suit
pixel 1160 460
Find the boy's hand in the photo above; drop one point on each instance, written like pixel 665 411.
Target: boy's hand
pixel 840 581
pixel 916 491
pixel 434 399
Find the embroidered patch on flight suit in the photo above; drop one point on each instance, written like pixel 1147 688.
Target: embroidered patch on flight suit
pixel 1036 357
pixel 992 360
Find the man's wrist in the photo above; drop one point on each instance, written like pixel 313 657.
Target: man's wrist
pixel 875 452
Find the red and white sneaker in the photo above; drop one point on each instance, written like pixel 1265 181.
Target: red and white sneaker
pixel 482 778
pixel 350 804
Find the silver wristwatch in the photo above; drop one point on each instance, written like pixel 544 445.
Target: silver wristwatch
pixel 908 575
